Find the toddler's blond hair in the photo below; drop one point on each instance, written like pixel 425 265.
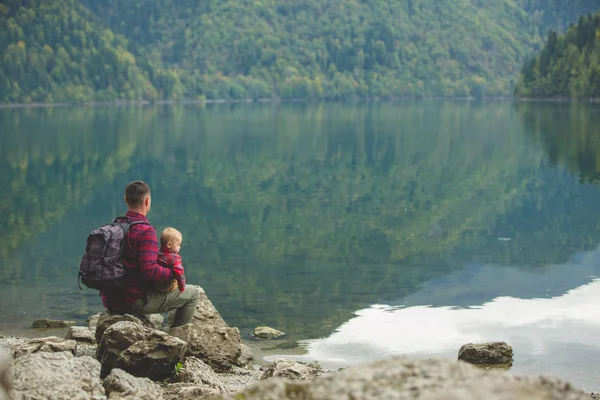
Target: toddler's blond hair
pixel 170 235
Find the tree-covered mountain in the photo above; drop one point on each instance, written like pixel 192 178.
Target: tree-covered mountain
pixel 567 66
pixel 83 50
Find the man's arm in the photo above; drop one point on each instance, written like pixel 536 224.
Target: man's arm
pixel 147 255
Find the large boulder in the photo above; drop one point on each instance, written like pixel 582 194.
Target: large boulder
pixel 486 353
pixel 5 374
pixel 61 375
pixel 206 314
pixel 46 323
pixel 399 378
pixel 117 338
pixel 81 334
pixel 154 357
pixel 50 344
pixel 106 319
pixel 292 370
pixel 219 347
pixel 121 385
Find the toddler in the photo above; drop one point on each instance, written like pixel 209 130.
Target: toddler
pixel 168 257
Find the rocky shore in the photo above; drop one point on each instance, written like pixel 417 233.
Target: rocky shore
pixel 133 357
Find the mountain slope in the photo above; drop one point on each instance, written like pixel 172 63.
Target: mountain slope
pixel 69 50
pixel 568 65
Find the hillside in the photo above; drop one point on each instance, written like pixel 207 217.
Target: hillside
pixel 70 50
pixel 567 66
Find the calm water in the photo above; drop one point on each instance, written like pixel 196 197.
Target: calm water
pixel 362 230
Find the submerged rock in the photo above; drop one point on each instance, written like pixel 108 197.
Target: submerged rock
pixel 402 379
pixel 266 332
pixel 292 370
pixel 486 353
pixel 81 334
pixel 50 344
pixel 46 323
pixel 56 375
pixel 121 385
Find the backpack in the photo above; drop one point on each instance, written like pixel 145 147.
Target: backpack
pixel 101 266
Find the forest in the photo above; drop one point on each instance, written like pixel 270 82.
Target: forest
pixel 108 50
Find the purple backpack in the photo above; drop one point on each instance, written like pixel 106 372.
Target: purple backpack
pixel 101 266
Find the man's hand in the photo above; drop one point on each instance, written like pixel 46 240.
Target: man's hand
pixel 179 277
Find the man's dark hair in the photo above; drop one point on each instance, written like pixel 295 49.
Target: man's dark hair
pixel 135 192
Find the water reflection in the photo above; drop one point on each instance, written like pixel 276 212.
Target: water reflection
pixel 556 335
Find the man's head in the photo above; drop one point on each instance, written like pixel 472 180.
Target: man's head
pixel 171 238
pixel 137 197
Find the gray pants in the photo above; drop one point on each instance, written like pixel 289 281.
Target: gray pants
pixel 156 303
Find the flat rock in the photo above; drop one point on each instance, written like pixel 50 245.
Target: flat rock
pixel 58 376
pixel 219 347
pixel 46 323
pixel 50 344
pixel 486 353
pixel 81 334
pixel 5 374
pixel 292 370
pixel 266 332
pixel 121 385
pixel 106 319
pixel 403 379
pixel 153 357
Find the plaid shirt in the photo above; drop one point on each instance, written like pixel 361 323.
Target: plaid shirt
pixel 140 262
pixel 168 259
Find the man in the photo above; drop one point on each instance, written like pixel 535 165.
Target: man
pixel 140 262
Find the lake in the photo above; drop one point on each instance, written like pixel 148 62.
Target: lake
pixel 363 230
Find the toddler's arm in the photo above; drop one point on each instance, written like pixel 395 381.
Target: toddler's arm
pixel 178 272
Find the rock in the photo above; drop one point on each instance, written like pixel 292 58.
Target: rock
pixel 239 379
pixel 220 347
pixel 61 375
pixel 117 338
pixel 291 370
pixel 50 344
pixel 45 323
pixel 121 385
pixel 92 321
pixel 107 319
pixel 5 374
pixel 195 371
pixel 266 332
pixel 153 357
pixel 156 320
pixel 402 379
pixel 81 334
pixel 486 353
pixel 246 357
pixel 206 314
pixel 183 391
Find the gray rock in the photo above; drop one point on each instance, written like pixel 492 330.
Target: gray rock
pixel 486 353
pixel 402 379
pixel 206 314
pixel 198 373
pixel 92 321
pixel 51 344
pixel 46 323
pixel 154 357
pixel 121 385
pixel 292 370
pixel 107 319
pixel 183 391
pixel 61 375
pixel 117 338
pixel 246 357
pixel 5 374
pixel 81 334
pixel 156 320
pixel 220 347
pixel 266 332
pixel 239 379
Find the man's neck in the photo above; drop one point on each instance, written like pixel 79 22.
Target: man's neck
pixel 137 210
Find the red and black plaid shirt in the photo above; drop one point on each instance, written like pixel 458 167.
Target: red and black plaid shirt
pixel 168 259
pixel 140 262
